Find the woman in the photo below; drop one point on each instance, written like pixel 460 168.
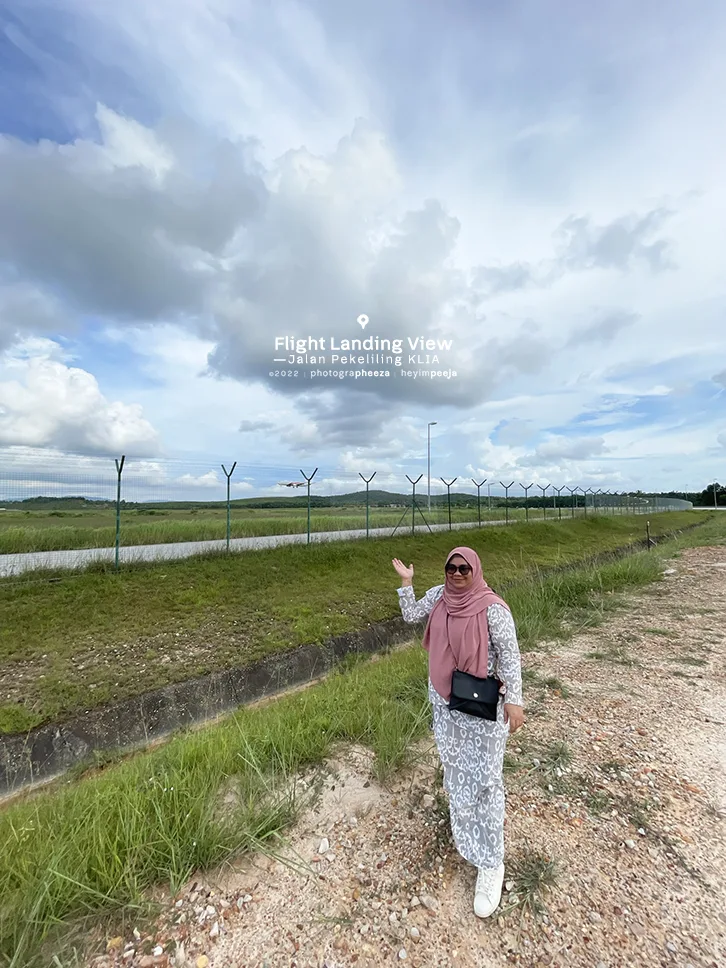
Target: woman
pixel 470 628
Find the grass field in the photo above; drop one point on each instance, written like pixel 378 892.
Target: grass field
pixel 72 855
pixel 85 640
pixel 28 531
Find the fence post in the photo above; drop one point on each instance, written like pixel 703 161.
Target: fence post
pixel 478 496
pixel 586 492
pixel 308 479
pixel 647 533
pixel 367 483
pixel 555 500
pixel 506 500
pixel 228 475
pixel 573 499
pixel 413 502
pixel 526 496
pixel 448 492
pixel 544 506
pixel 119 469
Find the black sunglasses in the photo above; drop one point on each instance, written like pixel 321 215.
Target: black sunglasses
pixel 462 569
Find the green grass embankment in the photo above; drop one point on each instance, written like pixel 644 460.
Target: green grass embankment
pixel 89 639
pixel 31 531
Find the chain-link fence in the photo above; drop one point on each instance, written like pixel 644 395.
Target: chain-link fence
pixel 71 511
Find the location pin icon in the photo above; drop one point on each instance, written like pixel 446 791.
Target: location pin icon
pixel 363 320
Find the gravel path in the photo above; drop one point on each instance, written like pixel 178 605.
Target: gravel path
pixel 636 823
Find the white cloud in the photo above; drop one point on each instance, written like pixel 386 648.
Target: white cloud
pixel 27 310
pixel 255 426
pixel 210 479
pixel 45 403
pixel 571 448
pixel 365 462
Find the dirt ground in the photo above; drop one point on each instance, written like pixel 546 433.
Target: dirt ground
pixel 618 778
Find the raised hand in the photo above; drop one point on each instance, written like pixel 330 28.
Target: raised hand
pixel 405 573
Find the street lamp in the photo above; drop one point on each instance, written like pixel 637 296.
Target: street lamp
pixel 428 433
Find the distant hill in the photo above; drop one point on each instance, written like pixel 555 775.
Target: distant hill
pixel 377 498
pixel 354 499
pixel 58 503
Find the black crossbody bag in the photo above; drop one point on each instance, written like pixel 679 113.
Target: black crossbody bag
pixel 474 696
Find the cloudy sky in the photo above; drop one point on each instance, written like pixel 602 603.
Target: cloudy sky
pixel 542 184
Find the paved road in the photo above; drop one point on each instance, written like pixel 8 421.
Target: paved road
pixel 71 559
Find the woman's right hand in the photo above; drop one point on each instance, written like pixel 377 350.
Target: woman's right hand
pixel 405 573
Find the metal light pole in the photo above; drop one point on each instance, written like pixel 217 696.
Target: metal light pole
pixel 428 450
pixel 715 498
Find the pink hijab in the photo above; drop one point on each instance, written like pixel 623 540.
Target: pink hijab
pixel 457 632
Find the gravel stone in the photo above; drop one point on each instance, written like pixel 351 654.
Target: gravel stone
pixel 639 908
pixel 430 903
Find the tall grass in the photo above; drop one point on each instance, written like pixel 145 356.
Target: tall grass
pixel 582 593
pixel 96 846
pixel 70 855
pixel 47 535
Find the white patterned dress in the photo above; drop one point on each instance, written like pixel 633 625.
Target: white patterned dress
pixel 472 749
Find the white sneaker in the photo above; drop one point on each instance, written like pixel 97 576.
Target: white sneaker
pixel 488 891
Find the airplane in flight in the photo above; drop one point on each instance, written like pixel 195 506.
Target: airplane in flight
pixel 291 483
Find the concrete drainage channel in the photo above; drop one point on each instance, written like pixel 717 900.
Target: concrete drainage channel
pixel 44 754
